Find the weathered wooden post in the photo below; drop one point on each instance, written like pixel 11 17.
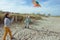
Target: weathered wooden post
pixel 15 17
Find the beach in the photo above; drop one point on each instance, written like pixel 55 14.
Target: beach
pixel 46 29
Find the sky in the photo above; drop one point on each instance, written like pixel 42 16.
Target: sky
pixel 26 6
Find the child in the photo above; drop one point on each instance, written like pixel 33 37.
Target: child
pixel 27 21
pixel 7 22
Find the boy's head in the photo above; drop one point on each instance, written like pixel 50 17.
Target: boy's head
pixel 28 16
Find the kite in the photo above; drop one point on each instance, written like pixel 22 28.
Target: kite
pixel 36 3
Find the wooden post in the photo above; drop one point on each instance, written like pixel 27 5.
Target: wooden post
pixel 16 19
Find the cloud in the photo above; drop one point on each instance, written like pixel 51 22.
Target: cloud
pixel 8 5
pixel 26 6
pixel 16 6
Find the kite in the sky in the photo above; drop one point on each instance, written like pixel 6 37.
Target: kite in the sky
pixel 36 3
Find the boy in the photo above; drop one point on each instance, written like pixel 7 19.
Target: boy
pixel 27 21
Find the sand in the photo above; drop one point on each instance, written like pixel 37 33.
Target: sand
pixel 46 29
